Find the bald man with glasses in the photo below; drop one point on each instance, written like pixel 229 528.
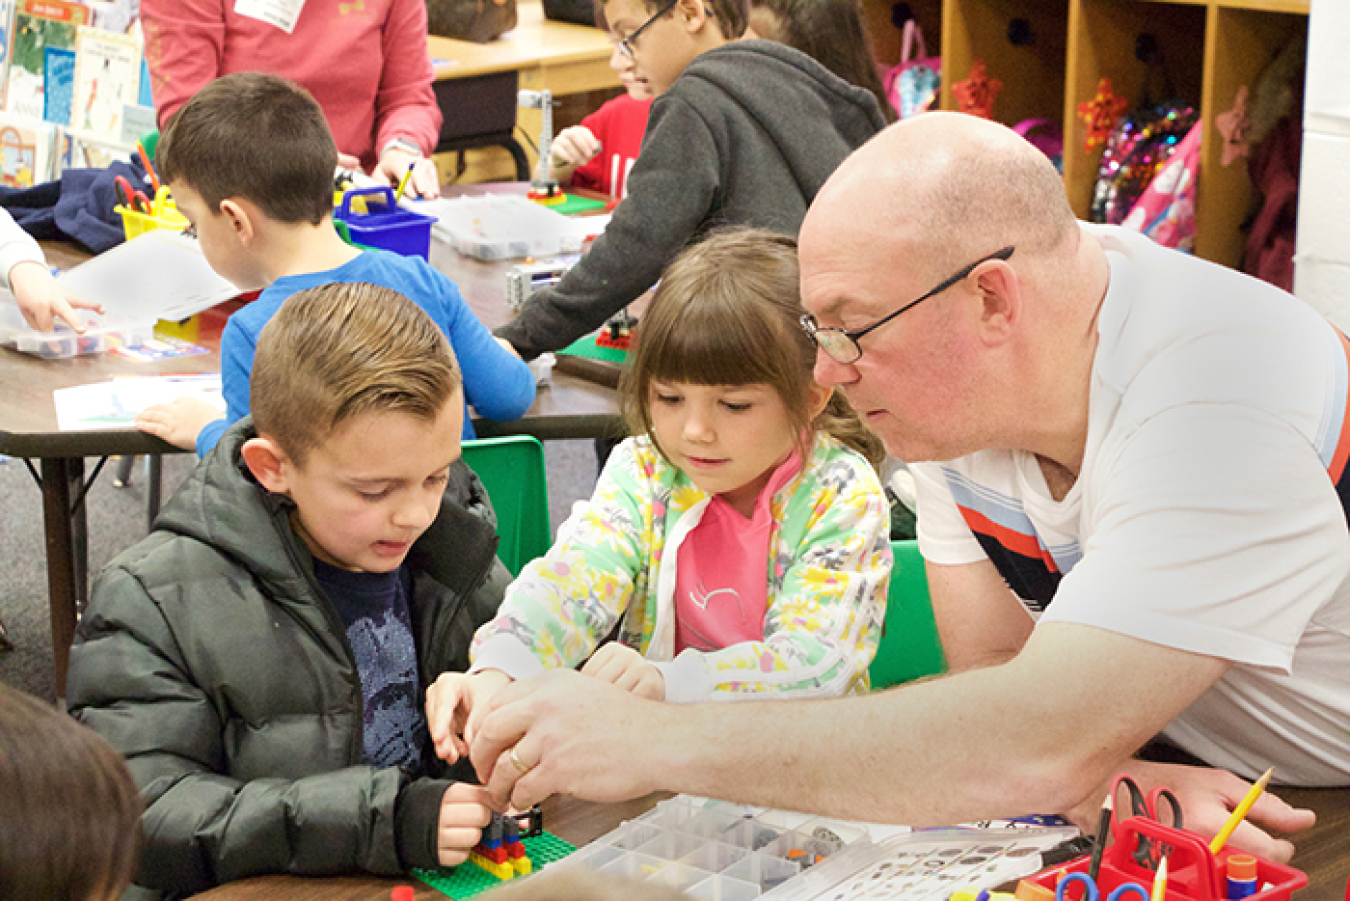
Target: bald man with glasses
pixel 1132 505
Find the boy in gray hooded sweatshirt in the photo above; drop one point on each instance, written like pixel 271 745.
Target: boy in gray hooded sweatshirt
pixel 740 133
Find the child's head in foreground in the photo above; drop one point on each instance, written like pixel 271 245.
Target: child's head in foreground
pixel 247 144
pixel 69 811
pixel 672 34
pixel 721 377
pixel 355 396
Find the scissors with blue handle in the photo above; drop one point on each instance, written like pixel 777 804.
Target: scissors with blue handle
pixel 1160 805
pixel 1091 892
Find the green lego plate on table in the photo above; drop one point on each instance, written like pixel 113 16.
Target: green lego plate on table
pixel 586 346
pixel 468 880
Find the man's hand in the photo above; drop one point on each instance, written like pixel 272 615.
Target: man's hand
pixel 464 813
pixel 456 704
pixel 42 299
pixel 620 665
pixel 425 181
pixel 573 147
pixel 178 422
pixel 571 735
pixel 1207 798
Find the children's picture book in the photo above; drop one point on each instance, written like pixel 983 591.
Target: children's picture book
pixel 58 84
pixel 27 151
pixel 107 78
pixel 6 34
pixel 38 24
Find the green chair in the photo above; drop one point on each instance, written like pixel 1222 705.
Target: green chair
pixel 910 647
pixel 512 470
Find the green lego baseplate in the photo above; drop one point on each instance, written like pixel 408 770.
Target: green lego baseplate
pixel 468 880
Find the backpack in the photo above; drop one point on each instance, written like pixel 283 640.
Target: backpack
pixel 1139 146
pixel 912 85
pixel 1165 211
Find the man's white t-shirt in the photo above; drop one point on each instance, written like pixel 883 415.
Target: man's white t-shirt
pixel 1210 514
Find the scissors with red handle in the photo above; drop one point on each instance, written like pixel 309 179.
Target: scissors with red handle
pixel 129 197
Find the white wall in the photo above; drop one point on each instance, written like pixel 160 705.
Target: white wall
pixel 1322 263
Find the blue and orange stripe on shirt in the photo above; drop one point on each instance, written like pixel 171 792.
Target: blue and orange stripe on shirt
pixel 1333 443
pixel 1005 532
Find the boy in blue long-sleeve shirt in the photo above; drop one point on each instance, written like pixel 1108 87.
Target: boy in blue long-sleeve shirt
pixel 250 160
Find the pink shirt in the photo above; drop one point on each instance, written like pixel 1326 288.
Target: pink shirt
pixel 722 571
pixel 365 62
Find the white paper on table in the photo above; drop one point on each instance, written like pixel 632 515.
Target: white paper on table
pixel 115 404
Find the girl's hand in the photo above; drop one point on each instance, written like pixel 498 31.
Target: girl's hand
pixel 178 422
pixel 41 298
pixel 624 667
pixel 456 703
pixel 464 813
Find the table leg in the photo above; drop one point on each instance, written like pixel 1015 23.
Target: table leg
pixel 154 486
pixel 67 562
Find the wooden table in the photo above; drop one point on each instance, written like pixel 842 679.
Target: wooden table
pixel 565 407
pixel 1323 852
pixel 542 54
pixel 578 822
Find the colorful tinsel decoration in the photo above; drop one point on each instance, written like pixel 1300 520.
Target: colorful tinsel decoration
pixel 1138 147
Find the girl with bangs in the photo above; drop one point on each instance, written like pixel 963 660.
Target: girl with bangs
pixel 737 546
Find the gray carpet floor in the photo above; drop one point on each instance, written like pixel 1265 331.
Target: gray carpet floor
pixel 117 521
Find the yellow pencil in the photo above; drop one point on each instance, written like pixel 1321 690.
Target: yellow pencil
pixel 1239 812
pixel 1160 881
pixel 403 182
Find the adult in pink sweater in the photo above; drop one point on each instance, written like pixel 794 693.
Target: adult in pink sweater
pixel 365 62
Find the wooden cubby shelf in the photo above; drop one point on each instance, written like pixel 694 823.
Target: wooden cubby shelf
pixel 1210 49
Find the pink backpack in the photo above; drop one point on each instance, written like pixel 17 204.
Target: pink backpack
pixel 912 85
pixel 1165 211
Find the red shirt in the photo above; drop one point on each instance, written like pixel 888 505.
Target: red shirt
pixel 365 62
pixel 619 125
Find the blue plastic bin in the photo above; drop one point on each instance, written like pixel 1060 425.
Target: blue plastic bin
pixel 384 224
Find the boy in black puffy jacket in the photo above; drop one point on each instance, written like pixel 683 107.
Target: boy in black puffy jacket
pixel 260 657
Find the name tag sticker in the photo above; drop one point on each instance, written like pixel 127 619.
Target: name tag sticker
pixel 281 13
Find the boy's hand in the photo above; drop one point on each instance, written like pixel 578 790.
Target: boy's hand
pixel 41 298
pixel 464 813
pixel 178 422
pixel 621 665
pixel 456 704
pixel 572 147
pixel 425 181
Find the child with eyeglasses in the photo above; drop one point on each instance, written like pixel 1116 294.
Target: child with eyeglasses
pixel 598 154
pixel 738 544
pixel 741 132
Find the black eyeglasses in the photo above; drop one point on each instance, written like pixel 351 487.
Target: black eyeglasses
pixel 841 345
pixel 626 45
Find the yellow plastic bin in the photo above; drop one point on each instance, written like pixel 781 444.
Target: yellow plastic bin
pixel 163 214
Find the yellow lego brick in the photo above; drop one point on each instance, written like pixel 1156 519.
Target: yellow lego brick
pixel 502 871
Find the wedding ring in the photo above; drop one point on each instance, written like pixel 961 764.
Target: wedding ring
pixel 517 762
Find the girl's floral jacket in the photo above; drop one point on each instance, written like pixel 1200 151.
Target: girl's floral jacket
pixel 614 559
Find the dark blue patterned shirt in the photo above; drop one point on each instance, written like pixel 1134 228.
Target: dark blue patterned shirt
pixel 374 608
